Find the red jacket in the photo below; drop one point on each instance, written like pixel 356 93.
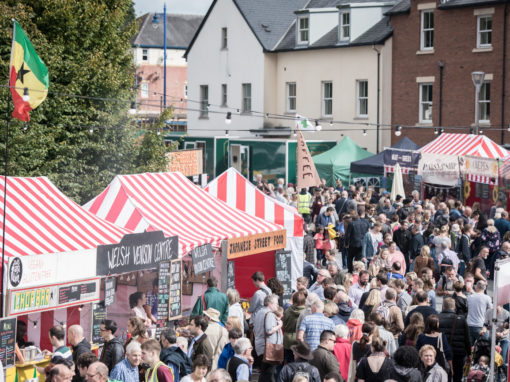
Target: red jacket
pixel 354 330
pixel 342 353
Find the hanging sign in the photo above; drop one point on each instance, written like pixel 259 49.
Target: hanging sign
pixel 37 299
pixel 262 242
pixel 283 272
pixel 7 341
pixel 136 252
pixel 203 259
pixel 98 316
pixel 109 291
pixel 231 277
pixel 163 292
pixel 175 298
pixel 407 159
pixel 480 166
pixel 439 169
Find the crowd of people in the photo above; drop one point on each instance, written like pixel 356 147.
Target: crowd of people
pixel 391 290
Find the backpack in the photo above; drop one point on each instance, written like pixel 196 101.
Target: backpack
pixel 384 311
pixel 301 370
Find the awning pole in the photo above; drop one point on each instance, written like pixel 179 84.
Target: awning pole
pixel 494 321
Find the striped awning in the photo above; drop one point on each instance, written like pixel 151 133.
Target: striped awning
pixel 40 219
pixel 465 144
pixel 238 192
pixel 171 203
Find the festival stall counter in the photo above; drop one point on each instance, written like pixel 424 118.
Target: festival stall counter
pixel 171 203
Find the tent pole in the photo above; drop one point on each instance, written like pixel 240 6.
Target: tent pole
pixel 6 168
pixel 493 323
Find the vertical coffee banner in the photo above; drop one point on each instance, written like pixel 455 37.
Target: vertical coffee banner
pixel 231 277
pixel 98 316
pixel 109 291
pixel 283 273
pixel 175 295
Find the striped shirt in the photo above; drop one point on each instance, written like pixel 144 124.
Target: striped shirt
pixel 313 326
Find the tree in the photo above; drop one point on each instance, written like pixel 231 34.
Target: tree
pixel 86 46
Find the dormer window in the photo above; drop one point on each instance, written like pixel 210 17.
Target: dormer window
pixel 303 32
pixel 345 25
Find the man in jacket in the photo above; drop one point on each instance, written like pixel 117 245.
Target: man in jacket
pixel 354 240
pixel 173 356
pixel 415 244
pixel 151 350
pixel 212 298
pixel 456 331
pixel 217 335
pixel 127 369
pixel 402 238
pixel 324 219
pixel 323 358
pixel 200 344
pixel 79 344
pixel 304 200
pixel 113 348
pixel 300 365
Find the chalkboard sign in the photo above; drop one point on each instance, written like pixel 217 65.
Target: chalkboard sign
pixel 98 316
pixel 417 181
pixel 109 291
pixel 283 273
pixel 485 191
pixel 203 259
pixel 175 301
pixel 72 293
pixel 7 341
pixel 231 277
pixel 163 292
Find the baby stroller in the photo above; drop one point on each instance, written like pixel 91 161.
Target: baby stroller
pixel 475 373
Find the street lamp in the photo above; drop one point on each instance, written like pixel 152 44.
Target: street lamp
pixel 155 25
pixel 478 82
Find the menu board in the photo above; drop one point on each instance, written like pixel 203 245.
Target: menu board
pixel 175 297
pixel 7 341
pixel 163 292
pixel 282 270
pixel 109 291
pixel 72 293
pixel 203 259
pixel 231 277
pixel 98 316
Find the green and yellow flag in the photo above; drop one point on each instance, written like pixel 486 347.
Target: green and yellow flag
pixel 28 75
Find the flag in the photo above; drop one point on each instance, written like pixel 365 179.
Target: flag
pixel 27 71
pixel 303 123
pixel 307 175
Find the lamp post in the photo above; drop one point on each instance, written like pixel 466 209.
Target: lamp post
pixel 155 24
pixel 477 78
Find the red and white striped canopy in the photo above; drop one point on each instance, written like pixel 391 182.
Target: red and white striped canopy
pixel 240 193
pixel 40 219
pixel 171 203
pixel 465 144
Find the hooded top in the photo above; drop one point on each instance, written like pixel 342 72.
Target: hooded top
pixel 290 319
pixel 354 326
pixel 175 356
pixel 407 374
pixel 342 351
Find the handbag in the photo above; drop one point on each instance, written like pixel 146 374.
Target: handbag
pixel 273 353
pixel 441 359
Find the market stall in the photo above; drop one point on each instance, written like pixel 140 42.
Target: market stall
pixel 467 164
pixel 235 190
pixel 171 203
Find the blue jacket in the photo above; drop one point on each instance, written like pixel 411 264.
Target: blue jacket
pixel 368 249
pixel 323 220
pixel 226 354
pixel 123 371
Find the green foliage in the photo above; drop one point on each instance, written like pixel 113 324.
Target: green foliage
pixel 86 47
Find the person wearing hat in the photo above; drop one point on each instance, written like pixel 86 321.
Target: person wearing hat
pixel 217 335
pixel 301 365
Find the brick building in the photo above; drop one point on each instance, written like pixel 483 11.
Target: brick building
pixel 436 47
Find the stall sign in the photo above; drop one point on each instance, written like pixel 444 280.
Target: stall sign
pixel 231 277
pixel 262 242
pixel 36 270
pixel 7 341
pixel 439 169
pixel 480 166
pixel 407 159
pixel 163 292
pixel 109 291
pixel 175 298
pixel 203 259
pixel 188 162
pixel 136 252
pixel 98 316
pixel 283 273
pixel 37 299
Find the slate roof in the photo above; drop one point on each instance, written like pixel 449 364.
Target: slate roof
pixel 467 3
pixel 404 6
pixel 180 30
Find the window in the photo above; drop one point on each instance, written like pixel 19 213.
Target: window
pixel 144 93
pixel 204 101
pixel 223 94
pixel 484 35
pixel 327 99
pixel 345 25
pixel 484 103
pixel 246 98
pixel 145 55
pixel 362 90
pixel 425 103
pixel 224 38
pixel 291 97
pixel 303 29
pixel 427 30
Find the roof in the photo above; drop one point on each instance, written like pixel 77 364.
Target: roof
pixel 467 3
pixel 171 203
pixel 238 192
pixel 404 6
pixel 465 144
pixel 180 31
pixel 40 219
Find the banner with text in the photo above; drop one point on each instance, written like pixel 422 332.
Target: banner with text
pixel 38 299
pixel 262 242
pixel 203 259
pixel 136 252
pixel 407 159
pixel 439 169
pixel 479 166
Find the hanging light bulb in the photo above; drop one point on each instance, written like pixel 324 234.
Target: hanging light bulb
pixel 159 132
pixel 80 308
pixel 441 131
pixel 25 126
pixel 318 127
pixel 294 133
pixel 331 123
pixel 26 97
pixel 228 118
pixel 508 128
pixel 132 108
pixel 91 130
pixel 226 133
pixel 364 132
pixel 35 324
pixel 398 130
pixel 481 130
pixel 436 131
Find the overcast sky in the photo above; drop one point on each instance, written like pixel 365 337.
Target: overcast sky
pixel 198 7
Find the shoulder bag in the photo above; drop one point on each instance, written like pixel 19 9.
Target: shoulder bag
pixel 273 353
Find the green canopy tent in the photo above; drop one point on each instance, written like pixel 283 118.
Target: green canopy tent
pixel 336 162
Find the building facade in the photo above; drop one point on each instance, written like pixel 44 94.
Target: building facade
pixel 436 47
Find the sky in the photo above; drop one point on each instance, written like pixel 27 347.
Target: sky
pixel 198 7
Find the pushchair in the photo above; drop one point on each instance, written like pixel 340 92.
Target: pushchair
pixel 482 347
